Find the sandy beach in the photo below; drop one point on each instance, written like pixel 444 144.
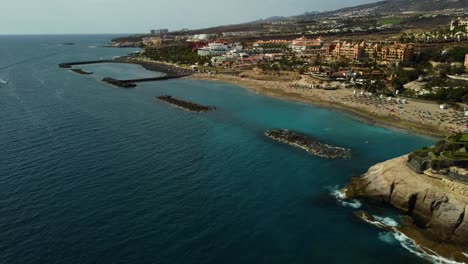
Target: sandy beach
pixel 418 116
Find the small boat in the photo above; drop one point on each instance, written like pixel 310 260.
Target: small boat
pixel 3 81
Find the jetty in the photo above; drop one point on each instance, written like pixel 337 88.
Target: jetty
pixel 312 146
pixel 68 65
pixel 185 104
pixel 80 71
pixel 171 71
pixel 131 83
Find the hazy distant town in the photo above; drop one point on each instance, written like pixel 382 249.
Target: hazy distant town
pixel 412 55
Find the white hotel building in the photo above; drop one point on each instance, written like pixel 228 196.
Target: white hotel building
pixel 218 49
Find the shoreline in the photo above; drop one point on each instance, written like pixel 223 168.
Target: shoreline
pixel 433 209
pixel 362 115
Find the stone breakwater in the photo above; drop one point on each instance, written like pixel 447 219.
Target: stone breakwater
pixel 168 69
pixel 119 83
pixel 80 71
pixel 68 65
pixel 437 211
pixel 185 104
pixel 308 144
pixel 132 83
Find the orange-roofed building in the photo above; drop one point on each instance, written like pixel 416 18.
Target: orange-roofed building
pixel 303 44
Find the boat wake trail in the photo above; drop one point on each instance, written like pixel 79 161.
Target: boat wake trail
pixel 30 59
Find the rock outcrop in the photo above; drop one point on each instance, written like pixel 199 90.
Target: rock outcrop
pixel 312 146
pixel 439 212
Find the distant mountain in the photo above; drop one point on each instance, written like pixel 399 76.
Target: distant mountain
pixel 377 8
pixel 385 7
pixel 398 6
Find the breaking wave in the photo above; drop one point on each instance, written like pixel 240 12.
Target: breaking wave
pixel 410 245
pixel 387 237
pixel 387 221
pixel 340 196
pixel 407 243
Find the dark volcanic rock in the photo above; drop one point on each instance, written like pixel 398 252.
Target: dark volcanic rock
pixel 185 104
pixel 308 144
pixel 119 83
pixel 80 71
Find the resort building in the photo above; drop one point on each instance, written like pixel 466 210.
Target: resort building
pixel 347 50
pixel 273 42
pixel 396 53
pixel 220 48
pixel 213 49
pixel 304 44
pixel 459 24
pixel 159 31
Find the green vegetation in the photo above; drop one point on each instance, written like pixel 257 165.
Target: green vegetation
pixel 454 156
pixel 180 54
pixel 285 63
pixel 455 54
pixel 405 76
pixel 421 153
pixel 449 95
pixel 389 22
pixel 459 137
pixel 376 86
pixel 446 153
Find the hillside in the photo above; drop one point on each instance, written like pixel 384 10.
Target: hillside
pixel 395 6
pixel 366 13
pixel 377 8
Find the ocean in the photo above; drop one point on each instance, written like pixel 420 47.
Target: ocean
pixel 91 173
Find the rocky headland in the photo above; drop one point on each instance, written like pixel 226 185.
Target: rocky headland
pixel 436 206
pixel 312 146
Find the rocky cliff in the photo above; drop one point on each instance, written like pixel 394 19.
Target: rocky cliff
pixel 438 207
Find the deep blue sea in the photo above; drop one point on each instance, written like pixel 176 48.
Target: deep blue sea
pixel 90 173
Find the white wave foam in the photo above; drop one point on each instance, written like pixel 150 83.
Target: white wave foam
pixel 387 237
pixel 410 245
pixel 372 222
pixel 388 221
pixel 92 47
pixel 341 198
pixel 393 236
pixel 406 242
pixel 3 81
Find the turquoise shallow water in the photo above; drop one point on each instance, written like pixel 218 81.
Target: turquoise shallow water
pixel 91 173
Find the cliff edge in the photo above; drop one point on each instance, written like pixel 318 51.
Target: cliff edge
pixel 437 206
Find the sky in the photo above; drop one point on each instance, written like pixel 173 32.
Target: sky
pixel 139 16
